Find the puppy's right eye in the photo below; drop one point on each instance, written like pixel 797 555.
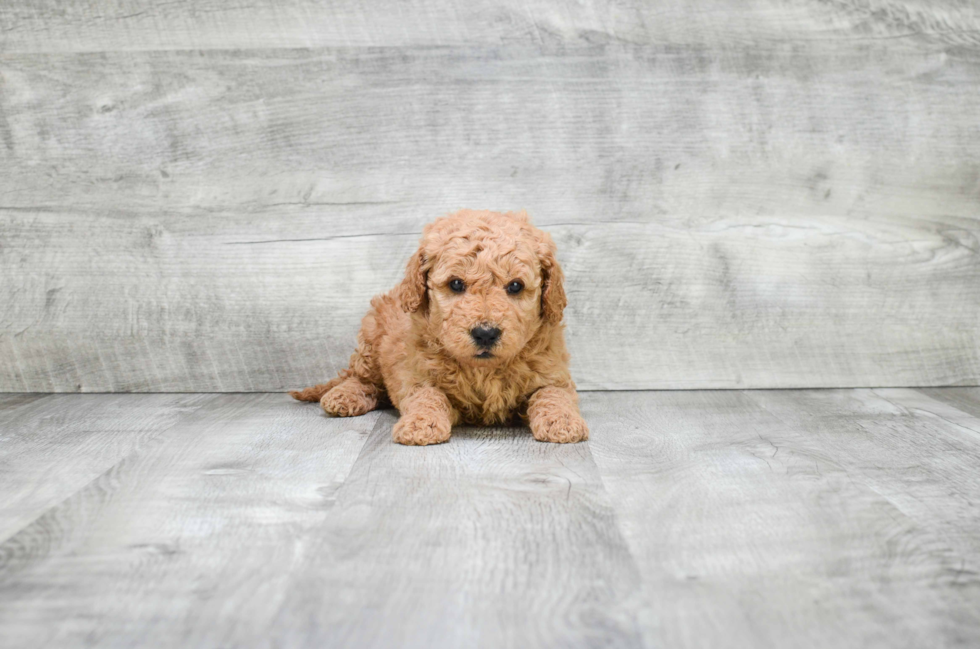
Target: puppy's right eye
pixel 457 286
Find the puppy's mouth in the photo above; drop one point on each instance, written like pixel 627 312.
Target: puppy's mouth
pixel 484 354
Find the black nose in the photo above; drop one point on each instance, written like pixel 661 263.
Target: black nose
pixel 485 337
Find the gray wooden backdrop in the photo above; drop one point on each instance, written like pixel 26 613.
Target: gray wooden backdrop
pixel 203 195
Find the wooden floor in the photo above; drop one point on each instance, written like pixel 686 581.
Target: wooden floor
pixel 825 518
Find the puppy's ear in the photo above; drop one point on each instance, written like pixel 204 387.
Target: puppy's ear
pixel 412 290
pixel 553 298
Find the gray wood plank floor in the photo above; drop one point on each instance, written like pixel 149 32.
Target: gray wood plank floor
pixel 811 518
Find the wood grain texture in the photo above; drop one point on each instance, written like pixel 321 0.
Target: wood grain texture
pixel 841 518
pixel 965 399
pixel 243 529
pixel 50 448
pixel 752 526
pixel 919 453
pixel 750 214
pixel 189 542
pixel 9 403
pixel 52 26
pixel 491 540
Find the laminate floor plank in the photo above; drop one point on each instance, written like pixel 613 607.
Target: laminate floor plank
pixel 965 399
pixel 921 454
pixel 491 540
pixel 750 531
pixel 189 542
pixel 804 518
pixel 11 401
pixel 52 447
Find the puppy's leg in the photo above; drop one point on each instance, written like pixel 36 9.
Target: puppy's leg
pixel 350 398
pixel 554 417
pixel 427 418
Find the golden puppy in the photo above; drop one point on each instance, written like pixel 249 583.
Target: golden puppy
pixel 472 334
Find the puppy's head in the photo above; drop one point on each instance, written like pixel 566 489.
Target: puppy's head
pixel 482 284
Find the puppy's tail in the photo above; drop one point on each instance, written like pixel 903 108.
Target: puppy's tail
pixel 314 393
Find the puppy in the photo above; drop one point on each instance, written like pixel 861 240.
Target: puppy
pixel 472 334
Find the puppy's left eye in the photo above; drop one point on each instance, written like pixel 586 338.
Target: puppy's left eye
pixel 515 287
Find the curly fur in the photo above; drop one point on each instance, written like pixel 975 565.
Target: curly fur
pixel 415 349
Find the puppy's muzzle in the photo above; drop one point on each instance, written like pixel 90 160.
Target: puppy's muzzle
pixel 485 337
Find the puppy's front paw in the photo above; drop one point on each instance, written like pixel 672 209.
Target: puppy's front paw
pixel 421 429
pixel 560 426
pixel 349 399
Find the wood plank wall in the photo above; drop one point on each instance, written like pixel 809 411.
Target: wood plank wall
pixel 204 195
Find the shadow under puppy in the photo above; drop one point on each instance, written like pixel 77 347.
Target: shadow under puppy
pixel 473 334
